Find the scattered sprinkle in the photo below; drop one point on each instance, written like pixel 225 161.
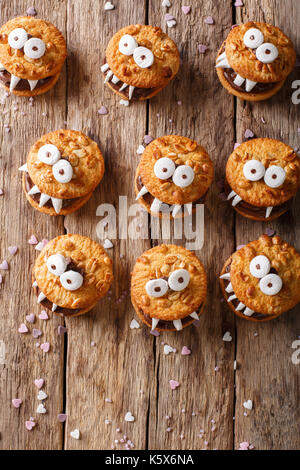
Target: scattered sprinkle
pixel 248 134
pixel 4 265
pixel 166 3
pixel 61 330
pixel 17 402
pixel 30 318
pixel 227 336
pixel 168 349
pixel 108 400
pixel 202 48
pixel 174 384
pixel 134 324
pixel 209 20
pixel 61 417
pixel 29 425
pixel 107 244
pixel 185 351
pixel 36 333
pixel 238 3
pixel 140 150
pixel 42 395
pixel 45 347
pixel 109 6
pixel 248 404
pixel 31 11
pixel 129 417
pixel 103 110
pixel 43 315
pixel 186 9
pixel 147 139
pixel 39 383
pixel 23 328
pixel 75 434
pixel 124 102
pixel 33 240
pixel 154 332
pixel 13 250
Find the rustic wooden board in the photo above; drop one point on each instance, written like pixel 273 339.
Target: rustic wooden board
pixel 102 357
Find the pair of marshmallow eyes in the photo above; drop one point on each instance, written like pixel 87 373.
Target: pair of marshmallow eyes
pixel 34 48
pixel 182 176
pixel 177 281
pixel 62 169
pixel 142 56
pixel 265 52
pixel 274 176
pixel 269 284
pixel 70 280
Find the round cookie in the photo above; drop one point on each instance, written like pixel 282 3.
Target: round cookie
pixel 262 177
pixel 63 169
pixel 173 171
pixel 255 60
pixel 168 287
pixel 71 274
pixel 140 61
pixel 32 53
pixel 261 280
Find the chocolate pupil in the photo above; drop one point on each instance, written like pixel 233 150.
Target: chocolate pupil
pixel 274 176
pixel 157 289
pixel 48 154
pixel 258 266
pixel 268 51
pixel 69 281
pixel 143 57
pixel 61 172
pixel 16 38
pixel 125 45
pixel 34 48
pixel 270 284
pixel 180 280
pixel 164 170
pixel 184 177
pixel 53 266
pixel 253 171
pixel 252 37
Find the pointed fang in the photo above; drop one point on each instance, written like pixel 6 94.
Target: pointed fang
pixel 230 195
pixel 194 315
pixel 54 307
pixel 177 324
pixel 57 204
pixel 154 323
pixel 41 297
pixel 225 276
pixel 236 200
pixel 250 85
pixel 32 84
pixel 130 93
pixel 142 192
pixel 13 82
pixel 268 212
pixel 43 199
pixel 33 190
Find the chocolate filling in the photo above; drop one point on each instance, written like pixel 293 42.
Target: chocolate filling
pixel 62 310
pixel 137 92
pixel 168 325
pixel 249 209
pixel 36 197
pixel 23 84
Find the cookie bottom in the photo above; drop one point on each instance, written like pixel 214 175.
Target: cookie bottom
pixel 72 207
pixel 152 92
pixel 256 317
pixel 36 91
pixel 186 321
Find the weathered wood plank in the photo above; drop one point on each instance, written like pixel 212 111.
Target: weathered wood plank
pixel 265 371
pixel 120 365
pixel 24 361
pixel 206 115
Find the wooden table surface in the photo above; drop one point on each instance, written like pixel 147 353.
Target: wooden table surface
pixel 128 366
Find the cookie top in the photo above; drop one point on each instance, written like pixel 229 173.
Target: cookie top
pixel 184 174
pixel 143 56
pixel 31 48
pixel 264 172
pixel 77 263
pixel 260 52
pixel 159 274
pixel 265 275
pixel 65 164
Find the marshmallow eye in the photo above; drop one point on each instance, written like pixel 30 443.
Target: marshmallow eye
pixel 253 170
pixel 179 279
pixel 267 53
pixel 253 38
pixel 164 168
pixel 143 57
pixel 71 280
pixel 275 176
pixel 260 266
pixel 183 176
pixel 62 171
pixel 270 284
pixel 57 264
pixel 34 48
pixel 49 154
pixel 127 44
pixel 17 38
pixel 157 287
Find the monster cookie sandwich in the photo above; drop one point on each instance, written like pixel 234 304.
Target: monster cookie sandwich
pixel 32 53
pixel 262 177
pixel 173 172
pixel 168 287
pixel 71 274
pixel 255 60
pixel 262 280
pixel 63 168
pixel 140 61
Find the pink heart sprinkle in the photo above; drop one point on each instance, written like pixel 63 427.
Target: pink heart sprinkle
pixel 36 333
pixel 236 145
pixel 16 402
pixel 45 347
pixel 61 330
pixel 43 315
pixel 239 247
pixel 168 17
pixel 202 48
pixel 186 9
pixel 147 139
pixel 238 3
pixel 196 323
pixel 244 445
pixel 103 110
pixel 39 383
pixel 185 351
pixel 248 134
pixel 209 20
pixel 1 192
pixel 4 265
pixel 31 11
pixel 30 318
pixel 154 332
pixel 61 417
pixel 13 250
pixel 1 279
pixel 23 328
pixel 29 425
pixel 174 384
pixel 33 240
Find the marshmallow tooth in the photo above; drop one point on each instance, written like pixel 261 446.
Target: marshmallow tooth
pixel 238 81
pixel 232 297
pixel 54 307
pixel 177 324
pixel 32 84
pixel 125 85
pixel 131 90
pixel 194 315
pixel 236 200
pixel 33 190
pixel 142 192
pixel 268 211
pixel 225 276
pixel 229 288
pixel 34 284
pixel 222 61
pixel 154 323
pixel 115 79
pixel 250 85
pixel 155 206
pixel 43 199
pixel 41 297
pixel 1 68
pixel 230 195
pixel 248 312
pixel 57 204
pixel 108 75
pixel 104 68
pixel 240 306
pixel 23 167
pixel 13 82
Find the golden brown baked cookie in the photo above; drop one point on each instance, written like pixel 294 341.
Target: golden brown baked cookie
pixel 255 60
pixel 63 169
pixel 140 61
pixel 261 280
pixel 173 171
pixel 262 177
pixel 32 53
pixel 71 274
pixel 168 287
